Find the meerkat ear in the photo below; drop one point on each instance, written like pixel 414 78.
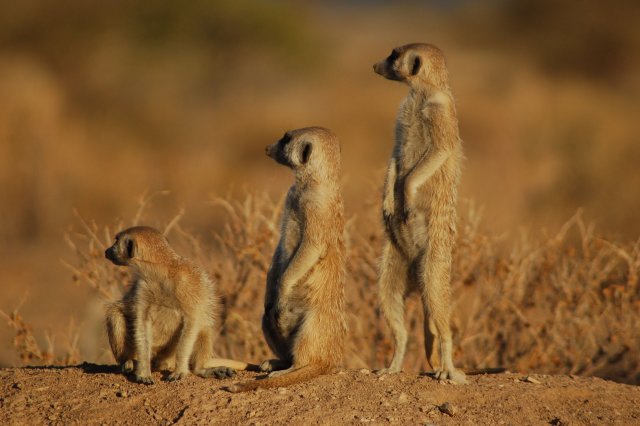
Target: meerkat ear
pixel 417 63
pixel 131 248
pixel 306 152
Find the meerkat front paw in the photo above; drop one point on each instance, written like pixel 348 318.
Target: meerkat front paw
pixel 176 375
pixel 455 375
pixel 406 214
pixel 266 366
pixel 387 217
pixel 127 366
pixel 144 379
pixel 273 364
pixel 390 370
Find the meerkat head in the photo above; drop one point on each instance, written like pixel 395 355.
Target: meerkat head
pixel 309 150
pixel 139 244
pixel 415 64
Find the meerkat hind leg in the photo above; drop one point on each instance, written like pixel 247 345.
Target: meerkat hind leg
pixel 431 341
pixel 435 295
pixel 217 372
pixel 119 340
pixel 393 286
pixel 204 365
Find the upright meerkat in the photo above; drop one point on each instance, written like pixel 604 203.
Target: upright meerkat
pixel 304 320
pixel 419 203
pixel 167 315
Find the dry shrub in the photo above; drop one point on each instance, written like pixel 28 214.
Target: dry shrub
pixel 31 352
pixel 566 304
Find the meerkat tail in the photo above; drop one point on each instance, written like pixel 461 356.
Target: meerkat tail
pixel 298 375
pixel 231 363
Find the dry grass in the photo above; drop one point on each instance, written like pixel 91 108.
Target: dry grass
pixel 32 352
pixel 565 304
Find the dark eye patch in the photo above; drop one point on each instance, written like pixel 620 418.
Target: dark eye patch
pixel 393 56
pixel 285 139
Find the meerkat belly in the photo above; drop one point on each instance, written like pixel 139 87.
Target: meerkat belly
pixel 296 308
pixel 165 325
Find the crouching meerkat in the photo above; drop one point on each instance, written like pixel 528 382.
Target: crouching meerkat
pixel 304 321
pixel 166 318
pixel 419 203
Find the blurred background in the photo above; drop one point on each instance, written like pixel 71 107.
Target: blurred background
pixel 101 102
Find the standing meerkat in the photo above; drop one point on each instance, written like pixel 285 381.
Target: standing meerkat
pixel 419 204
pixel 304 321
pixel 167 315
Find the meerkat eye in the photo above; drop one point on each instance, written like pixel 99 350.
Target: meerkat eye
pixel 131 248
pixel 393 56
pixel 417 63
pixel 306 152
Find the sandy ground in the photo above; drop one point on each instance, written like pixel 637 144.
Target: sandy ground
pixel 94 394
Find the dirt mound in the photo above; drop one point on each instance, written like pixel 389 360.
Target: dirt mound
pixel 94 394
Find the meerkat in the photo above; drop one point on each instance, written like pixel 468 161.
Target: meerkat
pixel 419 204
pixel 304 320
pixel 166 318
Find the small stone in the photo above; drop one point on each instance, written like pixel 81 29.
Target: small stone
pixel 447 408
pixel 364 371
pixel 18 386
pixel 530 379
pixel 403 398
pixel 51 417
pixel 122 394
pixel 282 391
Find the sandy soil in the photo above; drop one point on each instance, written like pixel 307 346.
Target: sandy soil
pixel 94 394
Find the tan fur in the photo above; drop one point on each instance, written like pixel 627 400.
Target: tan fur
pixel 167 316
pixel 304 320
pixel 419 203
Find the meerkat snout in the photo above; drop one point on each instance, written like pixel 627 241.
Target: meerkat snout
pixel 378 68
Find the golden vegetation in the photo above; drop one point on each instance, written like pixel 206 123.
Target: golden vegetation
pixel 561 305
